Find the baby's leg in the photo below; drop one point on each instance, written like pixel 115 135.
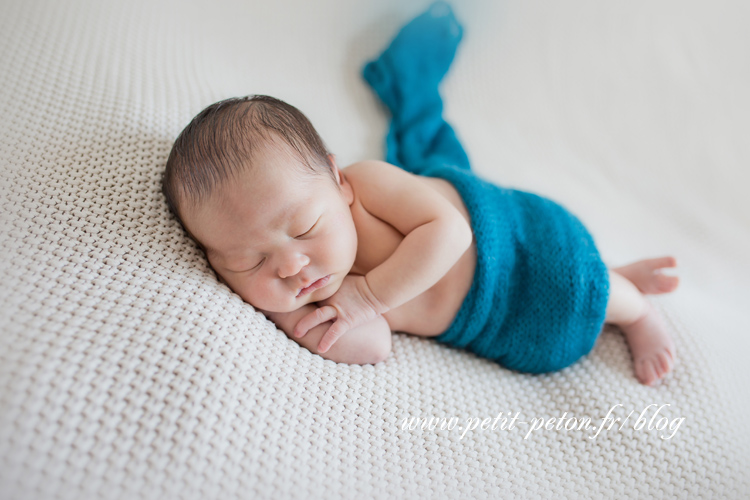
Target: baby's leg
pixel 650 344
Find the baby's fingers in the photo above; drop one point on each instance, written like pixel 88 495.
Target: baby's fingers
pixel 335 332
pixel 313 319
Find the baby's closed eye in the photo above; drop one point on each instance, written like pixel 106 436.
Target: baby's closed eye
pixel 244 269
pixel 309 230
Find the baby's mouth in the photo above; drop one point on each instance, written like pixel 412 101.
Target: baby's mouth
pixel 314 286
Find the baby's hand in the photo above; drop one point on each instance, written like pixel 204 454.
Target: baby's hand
pixel 352 305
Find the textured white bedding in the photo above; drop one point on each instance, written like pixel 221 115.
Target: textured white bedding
pixel 128 371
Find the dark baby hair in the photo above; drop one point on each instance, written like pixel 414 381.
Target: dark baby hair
pixel 220 141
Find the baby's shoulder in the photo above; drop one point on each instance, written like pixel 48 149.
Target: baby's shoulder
pixel 374 175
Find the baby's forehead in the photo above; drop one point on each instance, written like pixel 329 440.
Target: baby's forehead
pixel 272 175
pixel 279 196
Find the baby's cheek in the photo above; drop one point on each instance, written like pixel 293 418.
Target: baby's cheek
pixel 343 226
pixel 234 286
pixel 240 286
pixel 264 294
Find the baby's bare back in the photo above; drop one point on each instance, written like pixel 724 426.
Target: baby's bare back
pixel 432 312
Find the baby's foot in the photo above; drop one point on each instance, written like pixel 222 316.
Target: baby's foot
pixel 647 276
pixel 651 346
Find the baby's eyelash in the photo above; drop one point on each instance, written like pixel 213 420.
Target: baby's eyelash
pixel 311 228
pixel 258 264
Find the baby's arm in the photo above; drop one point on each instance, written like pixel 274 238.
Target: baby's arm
pixel 369 343
pixel 435 232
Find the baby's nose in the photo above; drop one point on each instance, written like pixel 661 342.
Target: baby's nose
pixel 292 264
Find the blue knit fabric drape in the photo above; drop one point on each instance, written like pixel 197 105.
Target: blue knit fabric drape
pixel 540 288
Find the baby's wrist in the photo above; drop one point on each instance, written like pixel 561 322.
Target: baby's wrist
pixel 372 299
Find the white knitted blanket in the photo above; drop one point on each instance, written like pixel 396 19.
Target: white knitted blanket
pixel 127 371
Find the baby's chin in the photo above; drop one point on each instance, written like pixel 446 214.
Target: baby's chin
pixel 325 293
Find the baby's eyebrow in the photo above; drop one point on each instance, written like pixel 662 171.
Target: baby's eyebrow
pixel 287 217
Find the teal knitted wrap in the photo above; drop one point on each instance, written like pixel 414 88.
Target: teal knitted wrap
pixel 540 289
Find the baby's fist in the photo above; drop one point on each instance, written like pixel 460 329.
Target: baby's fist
pixel 352 305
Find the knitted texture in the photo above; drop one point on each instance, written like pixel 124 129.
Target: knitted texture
pixel 406 77
pixel 540 289
pixel 127 371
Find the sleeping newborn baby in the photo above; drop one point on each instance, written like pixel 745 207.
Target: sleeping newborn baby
pixel 338 258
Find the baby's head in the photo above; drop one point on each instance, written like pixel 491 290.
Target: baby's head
pixel 253 184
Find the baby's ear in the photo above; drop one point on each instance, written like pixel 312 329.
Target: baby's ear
pixel 332 161
pixel 335 169
pixel 341 181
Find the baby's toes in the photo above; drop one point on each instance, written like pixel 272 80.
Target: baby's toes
pixel 645 371
pixel 665 284
pixel 662 262
pixel 665 363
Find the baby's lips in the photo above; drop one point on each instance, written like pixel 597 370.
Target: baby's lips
pixel 319 283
